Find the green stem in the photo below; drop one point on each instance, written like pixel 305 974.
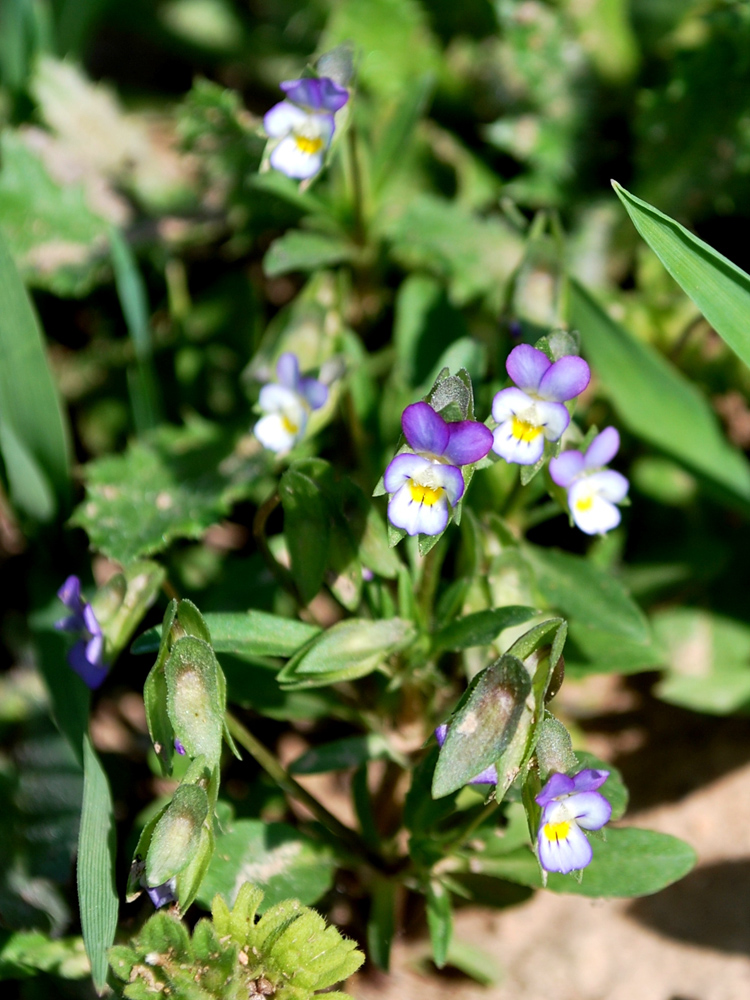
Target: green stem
pixel 272 766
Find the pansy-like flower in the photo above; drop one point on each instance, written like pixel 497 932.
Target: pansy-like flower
pixel 533 409
pixel 287 404
pixel 593 490
pixel 424 486
pixel 303 125
pixel 162 895
pixel 570 805
pixel 486 777
pixel 86 656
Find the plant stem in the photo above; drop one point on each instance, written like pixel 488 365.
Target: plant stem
pixel 272 766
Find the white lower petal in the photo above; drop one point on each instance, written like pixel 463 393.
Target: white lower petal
pixel 407 510
pixel 288 158
pixel 275 433
pixel 563 848
pixel 284 117
pixel 518 441
pixel 591 512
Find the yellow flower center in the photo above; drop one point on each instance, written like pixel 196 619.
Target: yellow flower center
pixel 307 145
pixel 288 426
pixel 556 831
pixel 424 494
pixel 584 504
pixel 525 432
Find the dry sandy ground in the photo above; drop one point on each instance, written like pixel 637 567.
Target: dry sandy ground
pixel 689 776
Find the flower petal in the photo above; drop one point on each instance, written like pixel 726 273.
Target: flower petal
pixel 287 371
pixel 564 854
pixel 554 418
pixel 487 777
pixel 448 477
pixel 611 485
pixel 509 402
pixel 516 445
pixel 558 784
pixel 289 159
pixel 589 779
pixel 565 379
pixel 469 442
pixel 590 809
pixel 441 732
pixel 70 594
pixel 274 434
pixel 526 366
pixel 90 621
pixel 566 467
pixel 424 429
pixel 603 448
pixel 92 674
pixel 318 94
pixel 161 895
pixel 402 468
pixel 282 118
pixel 591 512
pixel 278 399
pixel 314 392
pixel 415 517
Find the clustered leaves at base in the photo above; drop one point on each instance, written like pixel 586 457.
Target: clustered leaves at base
pixel 288 954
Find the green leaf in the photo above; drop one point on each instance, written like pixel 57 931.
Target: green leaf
pixel 29 488
pixel 484 724
pixel 707 658
pixel 69 696
pixel 302 250
pixel 307 530
pixel 177 834
pixel 29 405
pixel 347 650
pixel 719 288
pixel 473 962
pixel 480 628
pixel 97 847
pixel 351 751
pixel 654 400
pixel 395 136
pixel 194 698
pixel 245 634
pixel 273 856
pixel 630 862
pixel 381 923
pixel 25 953
pixel 439 921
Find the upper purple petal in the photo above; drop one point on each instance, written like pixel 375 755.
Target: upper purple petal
pixel 603 448
pixel 469 442
pixel 92 674
pixel 558 784
pixel 401 468
pixel 318 94
pixel 424 429
pixel 565 379
pixel 589 779
pixel 566 467
pixel 287 370
pixel 70 594
pixel 314 392
pixel 526 366
pixel 90 620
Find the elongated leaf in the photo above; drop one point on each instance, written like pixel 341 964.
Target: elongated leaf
pixel 654 400
pixel 381 925
pixel 482 627
pixel 719 288
pixel 307 530
pixel 439 921
pixel 299 250
pixel 97 846
pixel 28 399
pixel 244 634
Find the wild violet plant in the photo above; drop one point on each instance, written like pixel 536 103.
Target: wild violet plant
pixel 415 643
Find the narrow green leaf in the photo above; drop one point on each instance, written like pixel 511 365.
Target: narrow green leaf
pixel 244 634
pixel 481 628
pixel 351 751
pixel 473 961
pixel 719 288
pixel 654 400
pixel 439 921
pixel 306 529
pixel 97 848
pixel 28 399
pixel 381 924
pixel 301 250
pixel 30 490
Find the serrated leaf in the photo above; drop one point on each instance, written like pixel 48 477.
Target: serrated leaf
pixel 480 628
pixel 97 846
pixel 484 725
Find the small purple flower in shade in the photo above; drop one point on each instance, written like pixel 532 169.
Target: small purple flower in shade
pixel 303 124
pixel 534 410
pixel 487 777
pixel 86 656
pixel 162 895
pixel 287 405
pixel 179 747
pixel 570 805
pixel 593 490
pixel 424 486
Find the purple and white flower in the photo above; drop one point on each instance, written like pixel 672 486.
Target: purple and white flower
pixel 287 404
pixel 533 409
pixel 486 777
pixel 303 124
pixel 86 657
pixel 593 490
pixel 424 486
pixel 570 805
pixel 162 895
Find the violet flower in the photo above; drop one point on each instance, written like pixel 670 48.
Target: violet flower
pixel 303 125
pixel 162 895
pixel 570 805
pixel 424 486
pixel 535 411
pixel 486 777
pixel 593 490
pixel 287 405
pixel 86 656
pixel 179 747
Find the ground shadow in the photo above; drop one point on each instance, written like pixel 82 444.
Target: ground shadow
pixel 709 907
